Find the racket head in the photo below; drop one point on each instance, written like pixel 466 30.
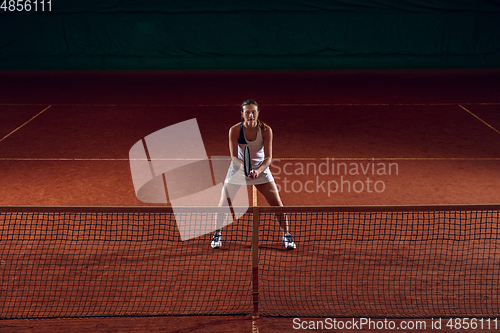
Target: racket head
pixel 247 162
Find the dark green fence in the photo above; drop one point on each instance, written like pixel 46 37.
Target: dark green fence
pixel 293 34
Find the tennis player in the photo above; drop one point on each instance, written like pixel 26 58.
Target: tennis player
pixel 258 137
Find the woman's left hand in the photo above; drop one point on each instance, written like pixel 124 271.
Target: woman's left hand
pixel 254 174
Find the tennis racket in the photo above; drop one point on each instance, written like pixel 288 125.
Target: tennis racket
pixel 247 163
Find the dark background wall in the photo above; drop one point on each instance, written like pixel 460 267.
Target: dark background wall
pixel 294 34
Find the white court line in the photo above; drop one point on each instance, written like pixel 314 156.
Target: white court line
pixel 484 122
pixel 254 196
pixel 39 113
pixel 278 159
pixel 255 326
pixel 237 105
pixel 388 159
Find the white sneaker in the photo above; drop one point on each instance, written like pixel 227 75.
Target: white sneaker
pixel 216 240
pixel 288 242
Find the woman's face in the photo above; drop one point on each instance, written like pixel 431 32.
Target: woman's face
pixel 250 113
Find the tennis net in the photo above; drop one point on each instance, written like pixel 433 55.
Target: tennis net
pixel 373 261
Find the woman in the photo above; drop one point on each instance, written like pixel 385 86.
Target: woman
pixel 259 138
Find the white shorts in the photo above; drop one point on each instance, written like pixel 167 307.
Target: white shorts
pixel 237 176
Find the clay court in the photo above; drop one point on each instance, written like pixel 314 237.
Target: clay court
pixel 386 124
pixel 430 151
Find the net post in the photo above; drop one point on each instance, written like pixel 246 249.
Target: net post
pixel 255 260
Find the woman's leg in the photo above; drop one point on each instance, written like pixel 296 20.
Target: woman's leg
pixel 272 195
pixel 228 191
